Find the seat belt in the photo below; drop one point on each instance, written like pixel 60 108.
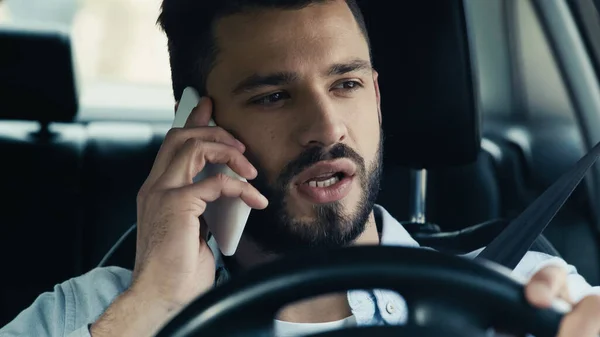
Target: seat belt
pixel 509 247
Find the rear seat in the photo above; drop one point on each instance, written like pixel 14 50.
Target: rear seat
pixel 118 159
pixel 41 213
pixel 40 221
pixel 69 195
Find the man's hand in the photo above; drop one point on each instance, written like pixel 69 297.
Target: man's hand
pixel 549 284
pixel 173 262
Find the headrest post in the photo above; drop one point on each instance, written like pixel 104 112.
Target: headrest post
pixel 419 188
pixel 44 134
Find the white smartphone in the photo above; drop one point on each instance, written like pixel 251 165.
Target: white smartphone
pixel 225 217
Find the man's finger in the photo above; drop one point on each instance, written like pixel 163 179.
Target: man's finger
pixel 584 320
pixel 201 113
pixel 546 285
pixel 195 154
pixel 222 185
pixel 177 137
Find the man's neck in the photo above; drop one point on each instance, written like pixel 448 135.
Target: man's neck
pixel 325 308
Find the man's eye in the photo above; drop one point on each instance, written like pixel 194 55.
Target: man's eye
pixel 348 85
pixel 271 99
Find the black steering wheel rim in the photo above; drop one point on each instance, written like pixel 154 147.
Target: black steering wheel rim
pixel 440 291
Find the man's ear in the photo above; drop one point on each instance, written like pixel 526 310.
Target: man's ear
pixel 377 92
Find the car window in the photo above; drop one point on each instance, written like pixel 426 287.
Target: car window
pixel 542 91
pixel 120 53
pixel 517 73
pixel 114 40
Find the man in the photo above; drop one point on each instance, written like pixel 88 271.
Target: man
pixel 292 82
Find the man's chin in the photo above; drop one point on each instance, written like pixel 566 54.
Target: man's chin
pixel 326 229
pixel 292 223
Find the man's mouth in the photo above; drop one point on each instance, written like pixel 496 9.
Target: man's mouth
pixel 325 173
pixel 327 181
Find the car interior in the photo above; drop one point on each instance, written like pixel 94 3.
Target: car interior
pixel 484 106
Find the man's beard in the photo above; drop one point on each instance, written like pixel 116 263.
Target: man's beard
pixel 275 231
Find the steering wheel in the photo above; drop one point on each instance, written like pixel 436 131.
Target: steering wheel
pixel 446 295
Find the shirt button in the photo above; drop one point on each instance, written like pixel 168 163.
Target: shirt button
pixel 390 308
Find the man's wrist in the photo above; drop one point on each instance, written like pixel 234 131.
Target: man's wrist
pixel 133 314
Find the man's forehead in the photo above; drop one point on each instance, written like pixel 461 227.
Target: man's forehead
pixel 264 19
pixel 267 41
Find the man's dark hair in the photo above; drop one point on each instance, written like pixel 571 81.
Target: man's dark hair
pixel 189 27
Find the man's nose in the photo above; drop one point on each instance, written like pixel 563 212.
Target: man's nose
pixel 323 125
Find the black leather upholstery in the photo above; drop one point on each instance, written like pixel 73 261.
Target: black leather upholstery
pixel 41 214
pixel 118 159
pixel 37 81
pixel 421 52
pixel 68 195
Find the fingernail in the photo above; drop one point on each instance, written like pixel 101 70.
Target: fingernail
pixel 265 200
pixel 241 145
pixel 252 175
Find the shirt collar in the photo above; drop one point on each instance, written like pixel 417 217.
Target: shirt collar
pixel 392 232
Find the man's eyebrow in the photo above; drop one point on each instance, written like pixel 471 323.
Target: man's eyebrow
pixel 348 67
pixel 256 81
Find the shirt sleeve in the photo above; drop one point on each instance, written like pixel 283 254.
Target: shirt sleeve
pixel 81 332
pixel 71 307
pixel 44 318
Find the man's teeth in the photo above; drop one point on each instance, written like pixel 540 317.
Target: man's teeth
pixel 324 183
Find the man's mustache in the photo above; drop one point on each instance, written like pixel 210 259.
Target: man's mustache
pixel 314 155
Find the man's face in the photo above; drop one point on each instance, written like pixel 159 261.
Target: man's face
pixel 296 87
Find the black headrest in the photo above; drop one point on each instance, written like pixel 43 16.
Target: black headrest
pixel 421 51
pixel 37 79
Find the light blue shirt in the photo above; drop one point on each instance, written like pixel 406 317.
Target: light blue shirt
pixel 75 304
